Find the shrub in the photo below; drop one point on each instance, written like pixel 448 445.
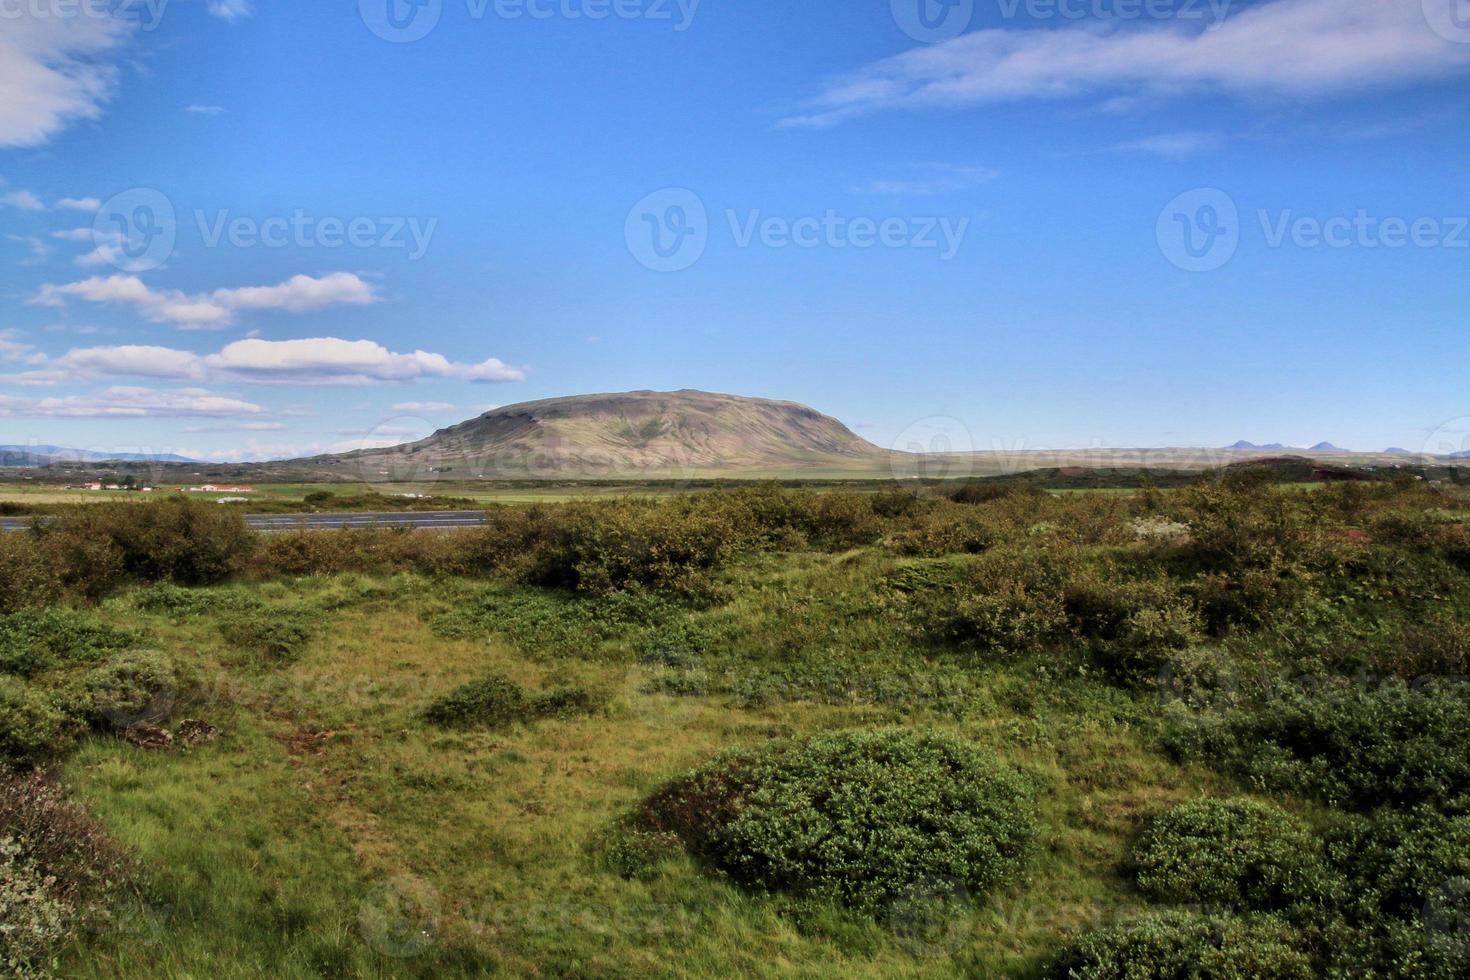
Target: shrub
pixel 133 687
pixel 1005 601
pixel 635 854
pixel 36 641
pixel 1350 745
pixel 498 702
pixel 1181 946
pixel 1233 853
pixel 33 727
pixel 276 633
pixel 1132 626
pixel 34 924
pixel 27 576
pixel 173 540
pixel 57 871
pixel 858 817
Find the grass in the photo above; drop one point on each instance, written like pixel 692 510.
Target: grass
pixel 333 831
pixel 283 848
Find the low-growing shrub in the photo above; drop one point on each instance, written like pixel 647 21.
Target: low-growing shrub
pixel 1237 854
pixel 172 540
pixel 1132 626
pixel 1004 602
pixel 33 727
pixel 28 577
pixel 132 688
pixel 58 872
pixel 856 817
pixel 33 641
pixel 277 633
pixel 499 702
pixel 635 854
pixel 1353 746
pixel 1183 946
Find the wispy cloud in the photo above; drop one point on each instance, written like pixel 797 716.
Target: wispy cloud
pixel 231 10
pixel 24 200
pixel 54 70
pixel 79 203
pixel 216 310
pixel 129 403
pixel 205 110
pixel 427 408
pixel 1300 48
pixel 1173 144
pixel 929 179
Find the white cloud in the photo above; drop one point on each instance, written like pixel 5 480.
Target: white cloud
pixel 123 402
pixel 79 203
pixel 205 110
pixel 239 427
pixel 930 179
pixel 315 361
pixel 54 70
pixel 429 408
pixel 231 10
pixel 210 311
pixel 11 349
pixel 24 200
pixel 1173 144
pixel 1299 48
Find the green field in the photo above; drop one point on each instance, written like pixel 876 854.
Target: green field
pixel 1120 654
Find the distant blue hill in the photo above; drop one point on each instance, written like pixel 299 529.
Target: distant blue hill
pixel 47 454
pixel 1321 447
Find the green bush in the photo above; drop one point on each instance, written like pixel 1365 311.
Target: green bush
pixel 33 728
pixel 28 577
pixel 857 817
pixel 1004 602
pixel 1351 745
pixel 1182 946
pixel 36 641
pixel 34 924
pixel 498 702
pixel 132 688
pixel 636 854
pixel 174 540
pixel 1132 626
pixel 58 872
pixel 1234 854
pixel 277 633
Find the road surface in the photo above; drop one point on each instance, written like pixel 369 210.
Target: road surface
pixel 318 522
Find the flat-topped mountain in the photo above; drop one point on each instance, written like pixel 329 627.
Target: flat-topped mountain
pixel 634 432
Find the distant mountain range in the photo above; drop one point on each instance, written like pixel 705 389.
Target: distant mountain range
pixel 43 455
pixel 1321 447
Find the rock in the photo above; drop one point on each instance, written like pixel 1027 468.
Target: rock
pixel 192 731
pixel 146 736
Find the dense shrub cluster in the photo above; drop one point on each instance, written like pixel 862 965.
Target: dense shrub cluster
pixel 857 817
pixel 1353 746
pixel 1184 946
pixel 58 873
pixel 499 702
pixel 63 672
pixel 1234 854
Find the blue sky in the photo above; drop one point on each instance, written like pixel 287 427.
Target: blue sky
pixel 1057 223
